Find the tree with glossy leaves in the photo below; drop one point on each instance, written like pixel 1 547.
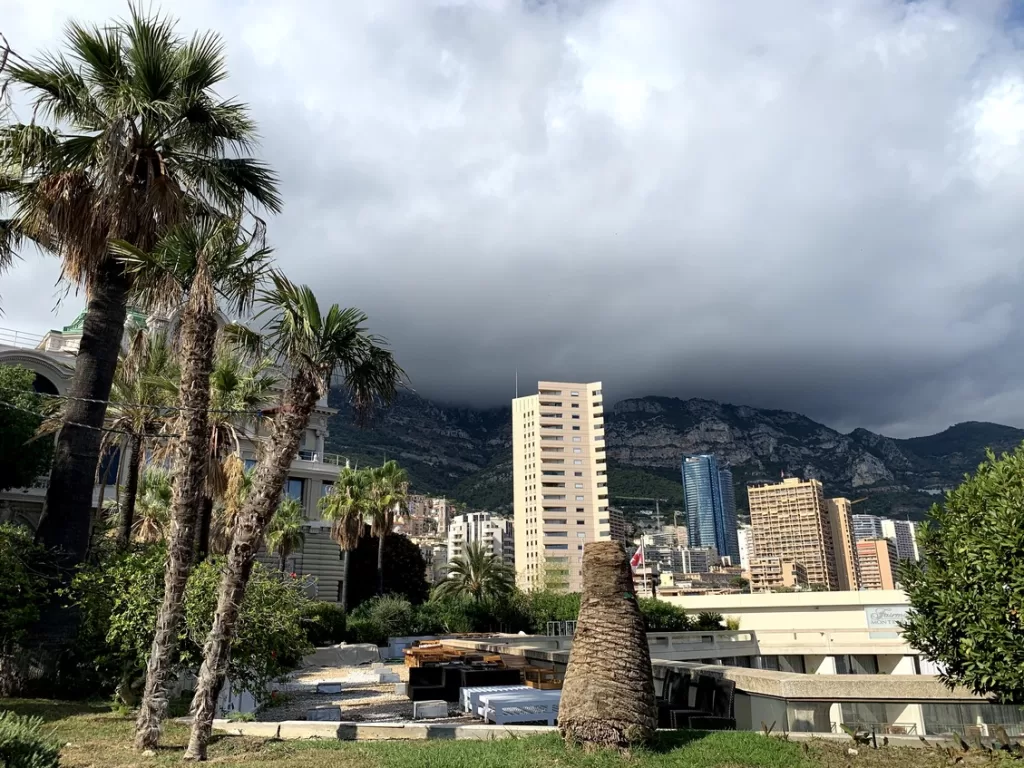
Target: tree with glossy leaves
pixel 312 346
pixel 389 489
pixel 967 592
pixel 285 535
pixel 132 140
pixel 479 574
pixel 347 507
pixel 207 260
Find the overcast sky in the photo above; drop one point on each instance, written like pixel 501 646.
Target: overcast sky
pixel 815 205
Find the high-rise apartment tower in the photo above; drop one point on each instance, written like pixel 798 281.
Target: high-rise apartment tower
pixel 710 505
pixel 560 483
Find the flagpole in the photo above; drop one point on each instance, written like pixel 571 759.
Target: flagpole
pixel 643 560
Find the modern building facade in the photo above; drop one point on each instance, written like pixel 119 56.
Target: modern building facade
pixel 843 543
pixel 867 527
pixel 560 482
pixel 877 560
pixel 493 533
pixel 904 534
pixel 790 523
pixel 710 505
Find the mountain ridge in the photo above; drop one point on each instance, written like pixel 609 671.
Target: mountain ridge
pixel 465 453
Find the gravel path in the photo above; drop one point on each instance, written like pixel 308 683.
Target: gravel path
pixel 361 698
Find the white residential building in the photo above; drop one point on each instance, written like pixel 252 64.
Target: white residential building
pixel 745 537
pixel 492 532
pixel 904 533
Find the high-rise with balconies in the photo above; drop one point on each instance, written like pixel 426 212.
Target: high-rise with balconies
pixel 790 522
pixel 560 483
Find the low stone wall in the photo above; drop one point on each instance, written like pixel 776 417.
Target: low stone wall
pixel 301 729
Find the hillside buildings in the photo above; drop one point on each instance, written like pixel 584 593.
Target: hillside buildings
pixel 903 533
pixel 710 504
pixel 790 524
pixel 560 482
pixel 867 527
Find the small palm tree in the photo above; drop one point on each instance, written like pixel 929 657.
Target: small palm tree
pixel 140 142
pixel 389 489
pixel 284 535
pixel 197 263
pixel 479 574
pixel 312 346
pixel 143 385
pixel 153 507
pixel 347 506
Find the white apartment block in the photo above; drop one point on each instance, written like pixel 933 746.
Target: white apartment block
pixel 560 482
pixel 492 532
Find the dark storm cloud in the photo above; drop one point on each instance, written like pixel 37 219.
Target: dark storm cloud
pixel 805 205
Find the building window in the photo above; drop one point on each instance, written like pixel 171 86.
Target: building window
pixel 577 462
pixel 557 534
pixel 579 485
pixel 575 415
pixel 580 509
pixel 581 535
pixel 576 439
pixel 581 522
pixel 575 394
pixel 249 464
pixel 294 488
pixel 579 498
pixel 575 405
pixel 556 546
pixel 325 488
pixel 603 521
pixel 575 429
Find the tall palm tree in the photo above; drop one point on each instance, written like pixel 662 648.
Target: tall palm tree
pixel 143 386
pixel 478 574
pixel 389 488
pixel 284 535
pixel 347 506
pixel 140 142
pixel 194 265
pixel 312 346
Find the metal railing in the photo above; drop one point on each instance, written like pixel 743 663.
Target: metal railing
pixel 14 338
pixel 335 459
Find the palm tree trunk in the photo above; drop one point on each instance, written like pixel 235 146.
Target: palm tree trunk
pixel 67 514
pixel 190 463
pixel 345 569
pixel 608 695
pixel 205 523
pixel 380 563
pixel 131 492
pixel 250 526
pixel 284 561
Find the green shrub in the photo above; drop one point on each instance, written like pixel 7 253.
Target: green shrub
pixel 119 600
pixel 22 583
pixel 709 622
pixel 365 630
pixel 24 745
pixel 660 616
pixel 391 615
pixel 324 624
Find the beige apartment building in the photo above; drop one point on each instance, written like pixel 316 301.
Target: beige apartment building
pixel 771 573
pixel 844 544
pixel 560 482
pixel 790 523
pixel 877 558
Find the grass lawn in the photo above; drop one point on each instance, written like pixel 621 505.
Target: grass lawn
pixel 95 736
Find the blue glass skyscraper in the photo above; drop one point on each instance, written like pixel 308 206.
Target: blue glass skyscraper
pixel 710 503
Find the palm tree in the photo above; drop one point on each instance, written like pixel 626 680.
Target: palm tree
pixel 142 388
pixel 347 506
pixel 389 488
pixel 478 574
pixel 153 507
pixel 608 695
pixel 196 263
pixel 312 346
pixel 238 390
pixel 238 483
pixel 284 535
pixel 141 141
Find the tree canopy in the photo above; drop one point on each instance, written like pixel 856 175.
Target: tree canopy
pixel 967 594
pixel 22 459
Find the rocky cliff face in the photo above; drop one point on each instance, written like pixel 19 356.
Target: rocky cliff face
pixel 465 453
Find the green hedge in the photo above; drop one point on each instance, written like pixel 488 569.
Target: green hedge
pixel 24 745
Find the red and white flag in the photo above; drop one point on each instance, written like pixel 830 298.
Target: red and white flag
pixel 637 559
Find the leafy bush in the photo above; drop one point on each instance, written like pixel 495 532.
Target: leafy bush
pixel 22 459
pixel 365 630
pixel 967 594
pixel 119 600
pixel 24 745
pixel 709 622
pixel 384 617
pixel 324 624
pixel 22 583
pixel 544 606
pixel 660 616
